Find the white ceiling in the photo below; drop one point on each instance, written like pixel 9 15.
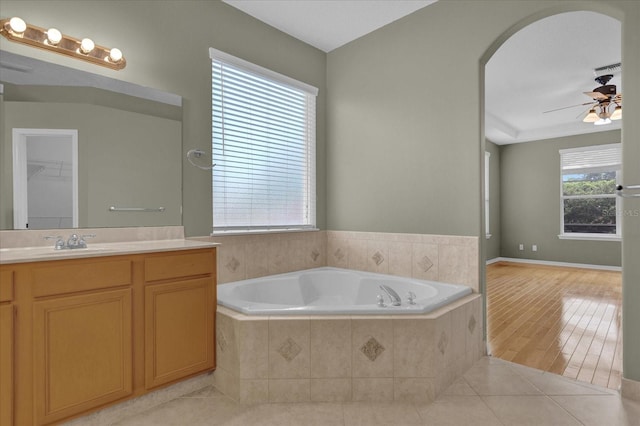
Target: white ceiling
pixel 546 65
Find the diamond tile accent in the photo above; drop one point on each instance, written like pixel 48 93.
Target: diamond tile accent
pixel 233 264
pixel 425 264
pixel 289 349
pixel 221 340
pixel 315 254
pixel 339 254
pixel 472 324
pixel 378 258
pixel 443 342
pixel 372 349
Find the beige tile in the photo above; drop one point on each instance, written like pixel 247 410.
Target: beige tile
pixel 226 343
pixel 456 410
pixel 377 256
pixel 254 391
pixel 460 387
pixel 414 346
pixel 231 263
pixel 257 258
pixel 551 384
pixel 227 383
pixel 372 347
pixel 400 258
pixel 457 265
pixel 459 330
pixel 253 348
pixel 330 350
pixel 381 413
pixel 284 414
pixel 288 348
pixel 529 410
pixel 357 255
pixel 420 390
pixel 186 411
pixel 498 379
pixel 630 389
pixel 370 389
pixel 601 409
pixel 424 261
pixel 338 253
pixel 289 390
pixel 330 390
pixel 279 255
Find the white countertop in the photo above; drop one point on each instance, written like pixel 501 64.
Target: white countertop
pixel 39 254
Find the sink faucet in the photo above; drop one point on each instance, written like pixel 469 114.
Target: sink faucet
pixel 73 242
pixel 395 298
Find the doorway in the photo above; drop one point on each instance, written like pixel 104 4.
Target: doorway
pixel 45 178
pixel 565 320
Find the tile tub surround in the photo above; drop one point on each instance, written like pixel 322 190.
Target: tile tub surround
pixel 444 258
pixel 346 358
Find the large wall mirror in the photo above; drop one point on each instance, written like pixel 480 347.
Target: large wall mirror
pixel 83 150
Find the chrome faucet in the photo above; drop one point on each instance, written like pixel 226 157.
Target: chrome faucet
pixel 395 298
pixel 73 242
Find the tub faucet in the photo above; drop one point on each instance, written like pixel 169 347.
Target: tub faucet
pixel 395 299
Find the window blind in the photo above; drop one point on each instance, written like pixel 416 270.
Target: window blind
pixel 263 144
pixel 592 159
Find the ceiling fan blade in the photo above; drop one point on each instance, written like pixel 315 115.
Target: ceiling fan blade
pixel 572 106
pixel 596 95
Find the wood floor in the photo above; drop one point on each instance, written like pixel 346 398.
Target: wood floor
pixel 563 320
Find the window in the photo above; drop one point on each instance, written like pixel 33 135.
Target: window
pixel 487 216
pixel 589 204
pixel 263 144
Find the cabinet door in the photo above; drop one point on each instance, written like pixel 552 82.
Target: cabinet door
pixel 178 330
pixel 82 353
pixel 6 365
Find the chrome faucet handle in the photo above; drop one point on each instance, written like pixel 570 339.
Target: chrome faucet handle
pixel 381 301
pixel 60 244
pixel 411 296
pixel 81 241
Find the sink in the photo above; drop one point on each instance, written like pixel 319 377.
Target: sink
pixel 66 252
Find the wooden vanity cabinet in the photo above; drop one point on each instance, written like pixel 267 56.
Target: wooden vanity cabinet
pixel 96 331
pixel 6 346
pixel 179 316
pixel 82 335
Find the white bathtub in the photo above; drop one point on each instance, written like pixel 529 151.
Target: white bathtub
pixel 334 291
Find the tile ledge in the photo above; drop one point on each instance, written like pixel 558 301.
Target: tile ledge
pixel 630 389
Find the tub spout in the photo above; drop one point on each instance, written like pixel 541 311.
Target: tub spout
pixel 395 299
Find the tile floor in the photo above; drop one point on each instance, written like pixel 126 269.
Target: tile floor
pixel 492 392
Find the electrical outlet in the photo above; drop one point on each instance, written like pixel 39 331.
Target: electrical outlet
pixel 534 247
pixel 521 247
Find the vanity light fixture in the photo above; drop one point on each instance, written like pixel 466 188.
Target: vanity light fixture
pixel 16 29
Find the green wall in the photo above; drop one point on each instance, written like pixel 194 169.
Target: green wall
pixel 530 208
pixel 166 44
pixel 492 245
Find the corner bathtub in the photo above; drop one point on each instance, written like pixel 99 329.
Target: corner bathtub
pixel 334 291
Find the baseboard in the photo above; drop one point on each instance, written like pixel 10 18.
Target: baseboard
pixel 552 263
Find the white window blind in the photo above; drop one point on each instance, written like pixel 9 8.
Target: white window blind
pixel 263 144
pixel 592 159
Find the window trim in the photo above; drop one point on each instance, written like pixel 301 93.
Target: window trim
pixel 584 236
pixel 311 93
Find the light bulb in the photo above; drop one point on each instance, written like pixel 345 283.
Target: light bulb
pixel 87 45
pixel 17 25
pixel 617 113
pixel 115 55
pixel 53 36
pixel 602 122
pixel 592 117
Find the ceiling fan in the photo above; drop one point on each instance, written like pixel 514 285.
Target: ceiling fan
pixel 606 104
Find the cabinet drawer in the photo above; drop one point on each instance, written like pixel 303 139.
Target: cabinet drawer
pixel 179 265
pixel 6 285
pixel 80 276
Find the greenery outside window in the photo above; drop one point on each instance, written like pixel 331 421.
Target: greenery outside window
pixel 263 145
pixel 589 206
